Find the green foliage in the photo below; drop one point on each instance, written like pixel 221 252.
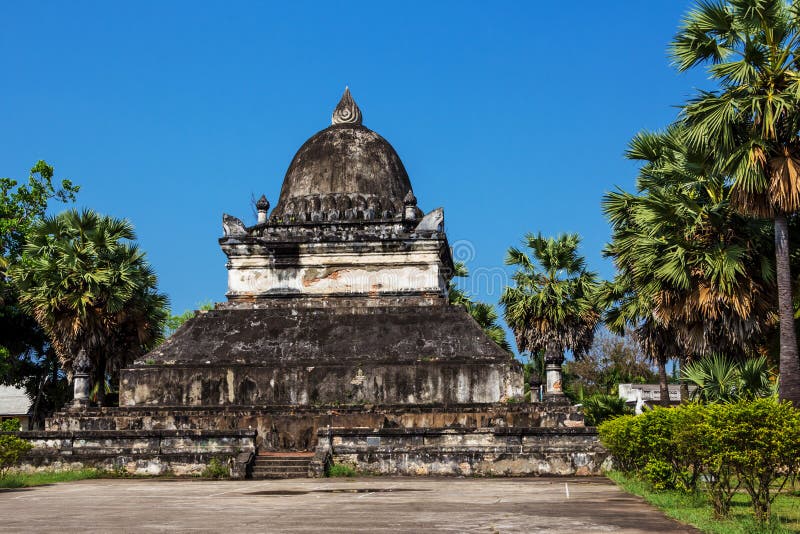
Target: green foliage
pixel 26 358
pixel 552 304
pixel 719 379
pixel 341 470
pixel 761 442
pixel 10 425
pixel 215 469
pixel 749 49
pixel 694 275
pixel 601 407
pixel 752 444
pixel 22 205
pixel 612 360
pixel 173 322
pixel 694 509
pixel 12 448
pixel 25 480
pixel 86 282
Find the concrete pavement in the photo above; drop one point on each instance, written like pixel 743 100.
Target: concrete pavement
pixel 375 504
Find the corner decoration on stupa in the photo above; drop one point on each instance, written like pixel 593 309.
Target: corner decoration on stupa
pixel 337 343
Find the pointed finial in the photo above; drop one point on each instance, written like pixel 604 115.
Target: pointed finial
pixel 346 111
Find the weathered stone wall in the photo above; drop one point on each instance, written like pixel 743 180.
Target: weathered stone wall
pixel 139 452
pixel 296 427
pixel 466 452
pixel 370 269
pixel 420 383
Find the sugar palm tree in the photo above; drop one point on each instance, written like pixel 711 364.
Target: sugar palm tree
pixel 751 49
pixel 88 285
pixel 628 308
pixel 551 307
pixel 703 266
pixel 720 379
pixel 693 273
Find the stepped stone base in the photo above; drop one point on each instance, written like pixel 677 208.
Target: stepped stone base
pixel 286 428
pixel 501 439
pixel 140 452
pixel 466 452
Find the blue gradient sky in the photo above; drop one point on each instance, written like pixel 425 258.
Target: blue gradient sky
pixel 514 116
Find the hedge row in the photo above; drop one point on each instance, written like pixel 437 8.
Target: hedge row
pixel 716 448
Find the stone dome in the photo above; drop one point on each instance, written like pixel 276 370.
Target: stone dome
pixel 346 171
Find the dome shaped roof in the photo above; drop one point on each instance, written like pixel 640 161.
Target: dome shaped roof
pixel 344 167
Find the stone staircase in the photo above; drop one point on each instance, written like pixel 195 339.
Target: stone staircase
pixel 282 465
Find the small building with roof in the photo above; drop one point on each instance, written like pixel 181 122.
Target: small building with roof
pixel 15 404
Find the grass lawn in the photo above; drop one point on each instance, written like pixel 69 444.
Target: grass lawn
pixel 23 480
pixel 695 510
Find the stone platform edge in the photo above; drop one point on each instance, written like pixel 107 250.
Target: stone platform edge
pixel 464 452
pixel 183 452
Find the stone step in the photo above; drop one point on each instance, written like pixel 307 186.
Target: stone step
pixel 290 470
pixel 282 464
pixel 261 468
pixel 281 461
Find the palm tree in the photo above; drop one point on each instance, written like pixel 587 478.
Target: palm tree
pixel 628 308
pixel 552 306
pixel 484 314
pixel 89 287
pixel 693 273
pixel 751 50
pixel 720 379
pixel 703 264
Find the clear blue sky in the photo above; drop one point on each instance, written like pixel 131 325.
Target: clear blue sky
pixel 514 116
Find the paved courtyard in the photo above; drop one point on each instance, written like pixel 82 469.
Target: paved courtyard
pixel 331 505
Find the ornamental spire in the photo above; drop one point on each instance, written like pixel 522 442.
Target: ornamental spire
pixel 346 111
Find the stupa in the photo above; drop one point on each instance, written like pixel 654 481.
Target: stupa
pixel 337 343
pixel 339 295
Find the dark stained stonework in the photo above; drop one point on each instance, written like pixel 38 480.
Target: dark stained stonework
pixel 328 336
pixel 344 167
pixel 528 451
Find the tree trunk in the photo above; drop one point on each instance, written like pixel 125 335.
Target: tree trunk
pixel 789 366
pixel 663 381
pixel 100 380
pixel 681 362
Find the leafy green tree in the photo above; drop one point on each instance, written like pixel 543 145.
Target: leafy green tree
pixel 552 305
pixel 627 308
pixel 26 357
pixel 484 314
pixel 23 205
pixel 612 360
pixel 89 287
pixel 750 48
pixel 175 321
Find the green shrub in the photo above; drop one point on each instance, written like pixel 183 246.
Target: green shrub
pixel 699 438
pixel 760 440
pixel 341 470
pixel 752 444
pixel 622 437
pixel 12 448
pixel 215 469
